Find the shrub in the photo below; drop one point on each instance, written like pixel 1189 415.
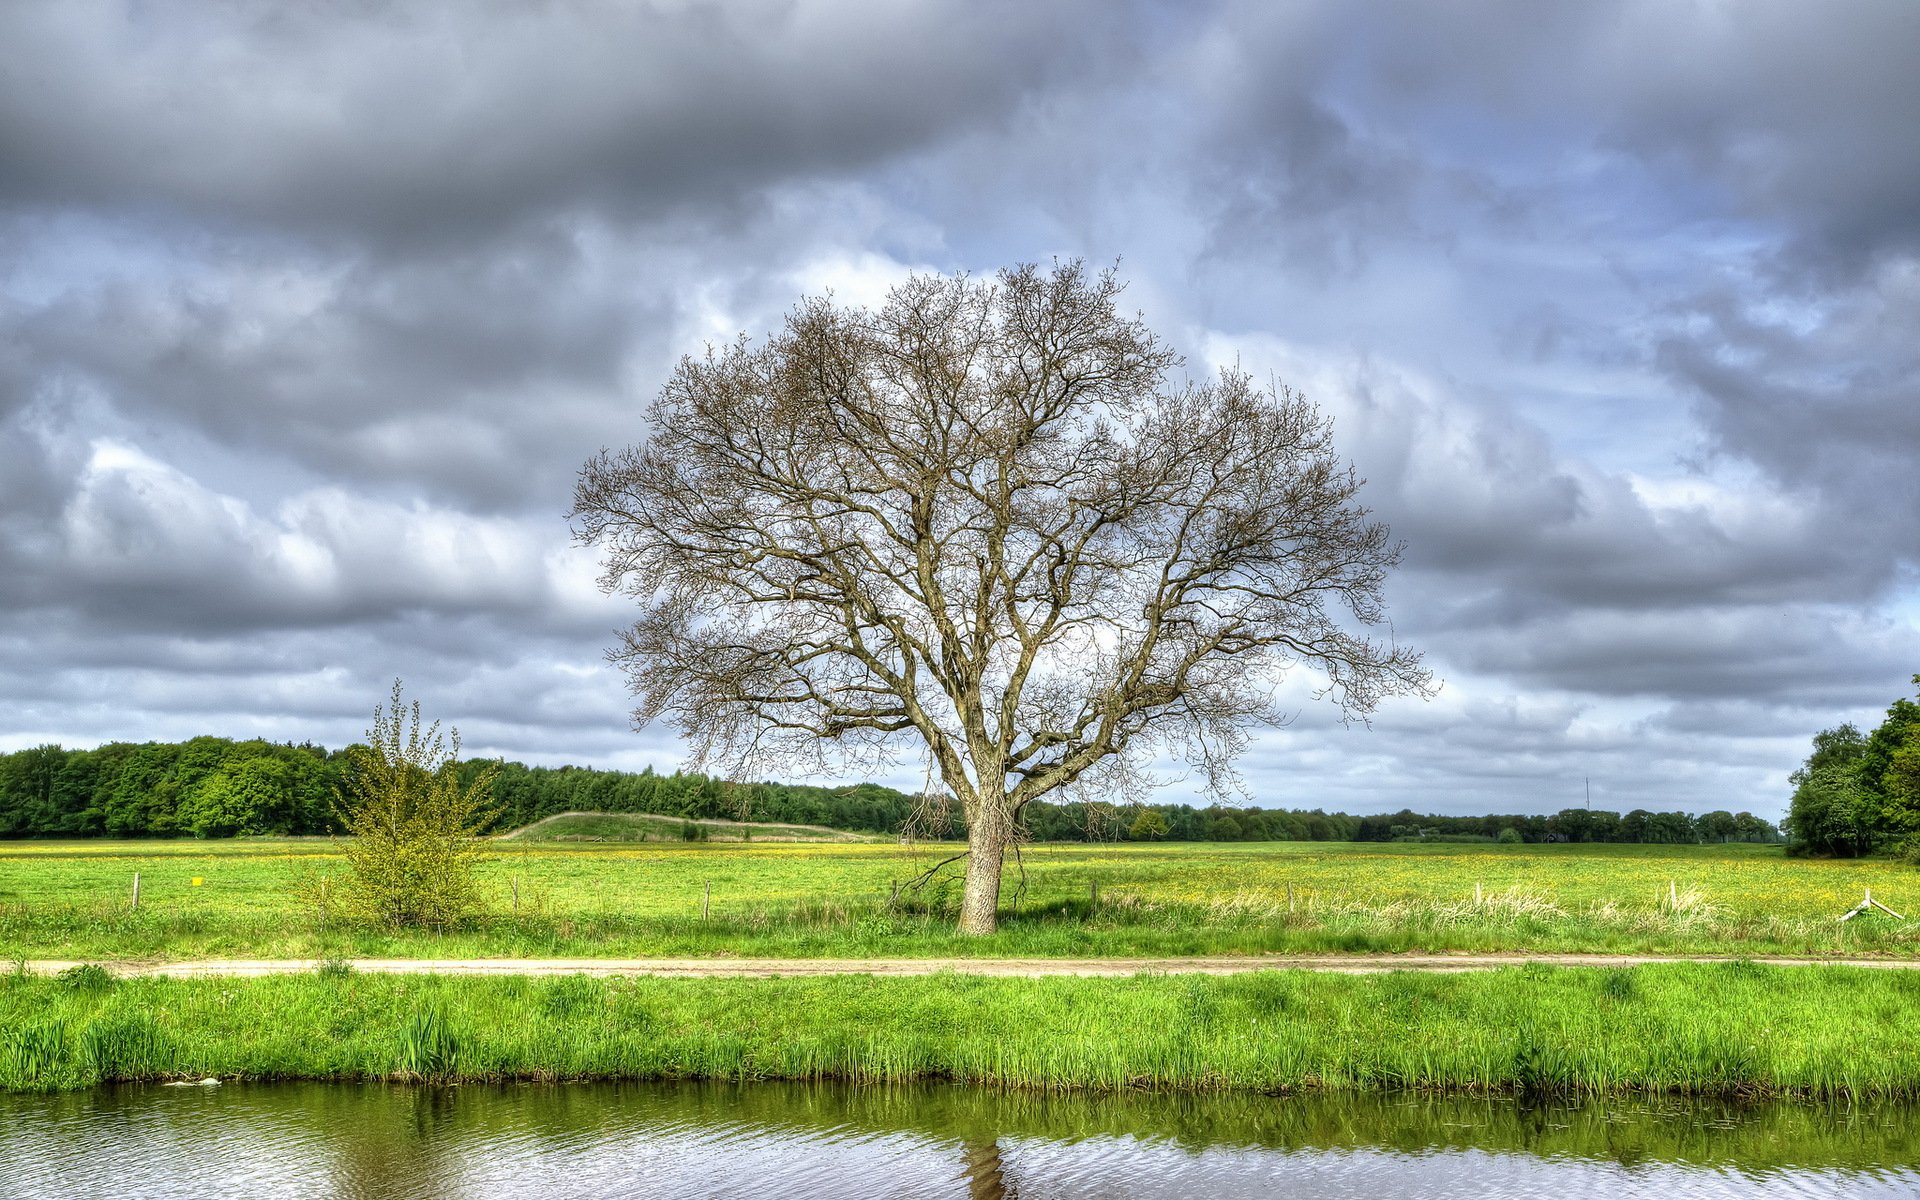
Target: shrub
pixel 415 826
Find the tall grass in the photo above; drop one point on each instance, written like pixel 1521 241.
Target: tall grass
pixel 1698 1029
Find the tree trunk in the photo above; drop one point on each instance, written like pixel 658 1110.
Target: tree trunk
pixel 987 837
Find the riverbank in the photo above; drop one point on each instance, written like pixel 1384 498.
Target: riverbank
pixel 1699 1029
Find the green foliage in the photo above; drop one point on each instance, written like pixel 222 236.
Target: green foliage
pixel 427 1047
pixel 36 1054
pixel 1857 793
pixel 1224 829
pixel 1509 836
pixel 1841 746
pixel 1833 813
pixel 126 1045
pixel 415 823
pixel 1149 826
pixel 87 977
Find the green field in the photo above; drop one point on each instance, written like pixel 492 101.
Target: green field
pixel 264 899
pixel 1720 1029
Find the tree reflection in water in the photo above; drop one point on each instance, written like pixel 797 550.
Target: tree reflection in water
pixel 986 1171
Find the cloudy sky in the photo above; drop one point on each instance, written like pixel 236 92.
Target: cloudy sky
pixel 309 315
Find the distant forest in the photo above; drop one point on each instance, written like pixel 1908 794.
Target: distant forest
pixel 213 787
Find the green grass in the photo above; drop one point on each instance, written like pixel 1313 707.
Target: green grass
pixel 258 898
pixel 1719 1029
pixel 647 827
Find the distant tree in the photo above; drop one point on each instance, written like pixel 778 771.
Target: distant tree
pixel 1900 792
pixel 1149 826
pixel 26 790
pixel 1858 793
pixel 1672 828
pixel 1749 828
pixel 985 522
pixel 1833 813
pixel 1875 757
pixel 1509 836
pixel 248 794
pixel 415 825
pixel 1575 824
pixel 1842 746
pixel 1224 828
pixel 1716 826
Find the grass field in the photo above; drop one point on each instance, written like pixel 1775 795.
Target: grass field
pixel 1721 1029
pixel 259 898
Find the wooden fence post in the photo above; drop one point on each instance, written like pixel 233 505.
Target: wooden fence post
pixel 706 898
pixel 136 891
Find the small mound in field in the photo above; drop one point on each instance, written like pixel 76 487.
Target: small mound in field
pixel 650 827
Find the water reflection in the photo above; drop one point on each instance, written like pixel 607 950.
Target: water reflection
pixel 707 1140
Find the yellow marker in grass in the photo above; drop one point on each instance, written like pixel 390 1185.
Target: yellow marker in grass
pixel 197 881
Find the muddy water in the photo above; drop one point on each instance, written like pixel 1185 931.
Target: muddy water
pixel 766 1140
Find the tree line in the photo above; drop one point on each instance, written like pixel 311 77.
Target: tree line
pixel 1859 793
pixel 216 787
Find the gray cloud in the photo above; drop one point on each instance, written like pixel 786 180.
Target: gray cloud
pixel 308 316
pixel 439 122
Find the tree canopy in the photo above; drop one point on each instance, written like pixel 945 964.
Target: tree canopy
pixel 1860 793
pixel 985 524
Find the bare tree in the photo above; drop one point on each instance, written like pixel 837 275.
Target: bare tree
pixel 984 521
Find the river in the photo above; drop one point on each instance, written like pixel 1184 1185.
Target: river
pixel 789 1140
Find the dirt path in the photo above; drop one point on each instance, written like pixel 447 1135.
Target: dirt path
pixel 717 968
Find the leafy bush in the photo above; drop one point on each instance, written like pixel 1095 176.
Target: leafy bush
pixel 415 824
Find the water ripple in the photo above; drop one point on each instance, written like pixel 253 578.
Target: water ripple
pixel 699 1141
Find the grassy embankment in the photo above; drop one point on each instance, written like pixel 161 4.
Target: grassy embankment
pixel 259 899
pixel 649 827
pixel 1710 1029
